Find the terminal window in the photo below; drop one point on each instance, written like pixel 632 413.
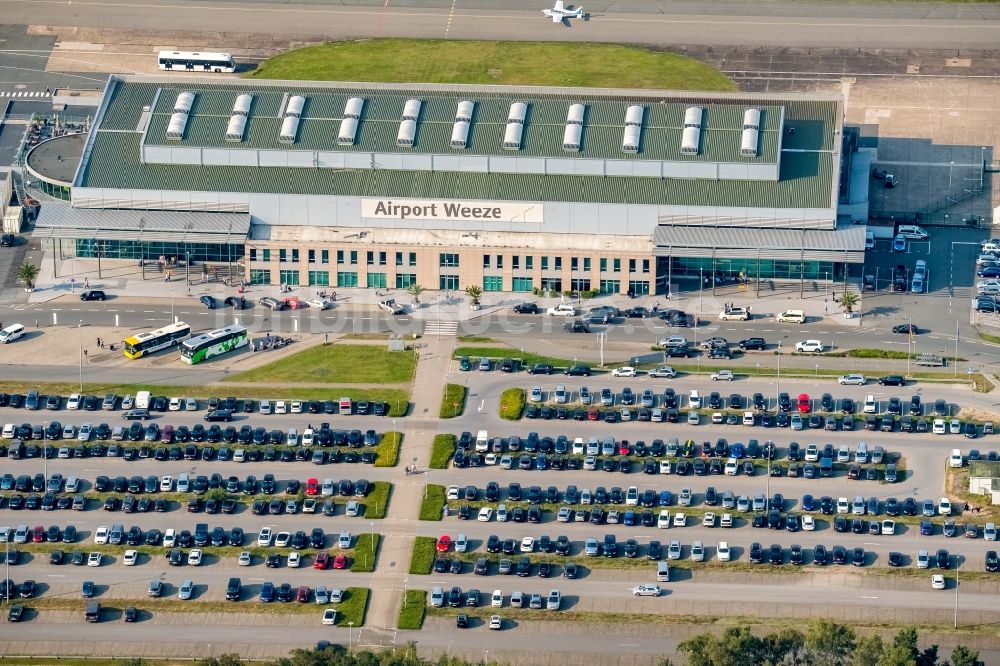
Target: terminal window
pixel 586 264
pixel 499 261
pixel 515 262
pixel 399 258
pixel 529 262
pixel 376 280
pixel 319 278
pixel 449 260
pixel 522 284
pixel 404 280
pixel 325 256
pixel 545 263
pixel 486 261
pixel 282 255
pixel 413 258
pixel 347 279
pixel 354 257
pixel 492 283
pixel 617 265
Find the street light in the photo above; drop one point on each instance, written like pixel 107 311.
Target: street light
pixel 350 636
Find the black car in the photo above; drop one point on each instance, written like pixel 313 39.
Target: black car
pixel 677 352
pixel 93 295
pixel 208 301
pixel 526 308
pixel 576 327
pixel 757 344
pixel 892 380
pixel 578 370
pixel 905 328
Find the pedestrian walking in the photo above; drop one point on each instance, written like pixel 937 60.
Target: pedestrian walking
pixel 84 352
pixel 98 342
pixel 86 283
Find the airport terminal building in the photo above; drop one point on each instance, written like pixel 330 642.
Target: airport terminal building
pixel 513 189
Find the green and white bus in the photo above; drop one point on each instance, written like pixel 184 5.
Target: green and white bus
pixel 214 343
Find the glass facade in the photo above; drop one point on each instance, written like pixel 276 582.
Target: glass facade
pixel 522 284
pixel 289 277
pixel 493 283
pixel 87 248
pixel 404 280
pixel 638 287
pixel 376 280
pixel 579 284
pixel 769 268
pixel 347 279
pixel 319 278
pixel 610 286
pixel 448 282
pixel 54 191
pixel 258 276
pixel 551 284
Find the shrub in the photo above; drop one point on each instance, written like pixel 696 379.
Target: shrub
pixel 512 404
pixel 453 401
pixel 377 499
pixel 411 614
pixel 444 449
pixel 387 454
pixel 423 555
pixel 432 507
pixel 365 553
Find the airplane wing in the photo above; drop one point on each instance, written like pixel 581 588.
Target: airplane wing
pixel 558 7
pixel 556 18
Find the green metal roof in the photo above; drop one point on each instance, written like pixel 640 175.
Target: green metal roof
pixel 805 182
pixel 722 122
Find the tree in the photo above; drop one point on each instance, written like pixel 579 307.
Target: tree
pixel 829 644
pixel 784 647
pixel 415 291
pixel 906 639
pixel 963 656
pixel 867 651
pixel 28 273
pixel 896 654
pixel 474 292
pixel 848 301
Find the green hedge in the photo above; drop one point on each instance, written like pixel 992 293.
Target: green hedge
pixel 354 607
pixel 422 559
pixel 387 454
pixel 453 401
pixel 444 449
pixel 432 507
pixel 378 499
pixel 411 614
pixel 365 552
pixel 512 404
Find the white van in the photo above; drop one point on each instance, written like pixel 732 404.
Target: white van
pixel 792 317
pixel 482 441
pixel 662 572
pixel 142 399
pixel 11 333
pixel 912 232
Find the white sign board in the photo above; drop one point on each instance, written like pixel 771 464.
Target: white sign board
pixel 451 210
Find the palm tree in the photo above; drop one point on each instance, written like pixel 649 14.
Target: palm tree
pixel 848 301
pixel 28 273
pixel 415 291
pixel 474 292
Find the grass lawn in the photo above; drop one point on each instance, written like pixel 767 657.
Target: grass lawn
pixel 512 403
pixel 365 552
pixel 423 555
pixel 444 449
pixel 527 358
pixel 387 454
pixel 411 614
pixel 497 63
pixel 353 608
pixel 453 401
pixel 336 364
pixel 432 506
pixel 377 499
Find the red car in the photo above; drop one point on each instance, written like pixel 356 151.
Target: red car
pixel 623 449
pixel 302 594
pixel 312 487
pixel 593 415
pixel 444 543
pixel 167 434
pixel 340 562
pixel 804 403
pixel 38 534
pixel 322 560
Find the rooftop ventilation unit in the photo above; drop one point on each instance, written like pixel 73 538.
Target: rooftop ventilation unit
pixel 518 112
pixel 354 107
pixel 573 134
pixel 691 136
pixel 407 133
pixel 465 110
pixel 295 105
pixel 634 114
pixel 411 110
pixel 348 131
pixel 185 101
pixel 234 130
pixel 512 136
pixel 238 121
pixel 633 128
pixel 179 119
pixel 751 133
pixel 242 105
pixel 460 134
pixel 575 114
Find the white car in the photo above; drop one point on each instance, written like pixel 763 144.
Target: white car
pixel 808 524
pixel 565 514
pixel 723 376
pixel 853 380
pixel 955 427
pixel 955 459
pixel 280 407
pixel 485 514
pixel 294 560
pixel 693 418
pixel 624 371
pixel 732 467
pixel 296 407
pixel 94 560
pixel 870 405
pixel 308 437
pixel 8 431
pixel 646 590
pixel 944 506
pixel 191 404
pixel 726 520
pixel 330 616
pixel 496 622
pixel 101 535
pixel 244 559
pixel 166 483
pixel 562 310
pixel 697 552
pixel 888 527
pixel 129 558
pixel 175 404
pixel 809 346
pixel 528 545
pixel 502 516
pixel 264 537
pixel 939 427
pixel 708 520
pixel 735 313
pixel 86 430
pixel 812 453
pixel 937 582
pixel 281 539
pixel 344 541
pixel 461 543
pixel 453 492
pixel 536 394
pixel 843 505
pixel 923 559
pixel 319 303
pixel 663 520
pixel 723 552
pixel 74 401
pixel 680 519
pixel 496 599
pixel 194 557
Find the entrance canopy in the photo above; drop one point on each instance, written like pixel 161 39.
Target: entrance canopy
pixel 59 221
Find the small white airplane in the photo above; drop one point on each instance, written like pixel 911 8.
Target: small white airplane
pixel 559 13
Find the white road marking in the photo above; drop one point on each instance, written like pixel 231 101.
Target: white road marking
pixel 864 597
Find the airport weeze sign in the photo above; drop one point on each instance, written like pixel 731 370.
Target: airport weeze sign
pixel 450 210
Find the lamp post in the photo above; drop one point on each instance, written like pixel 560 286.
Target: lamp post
pixel 350 636
pixel 909 343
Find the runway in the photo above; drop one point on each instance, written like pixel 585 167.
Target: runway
pixel 778 24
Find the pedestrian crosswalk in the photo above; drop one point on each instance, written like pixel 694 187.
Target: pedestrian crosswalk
pixel 441 327
pixel 25 93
